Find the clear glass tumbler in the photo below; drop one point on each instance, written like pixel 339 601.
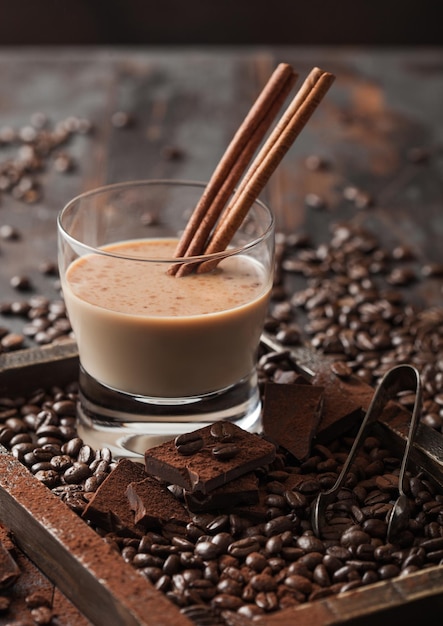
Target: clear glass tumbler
pixel 160 354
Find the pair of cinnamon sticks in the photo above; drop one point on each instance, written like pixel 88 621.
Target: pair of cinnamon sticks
pixel 214 220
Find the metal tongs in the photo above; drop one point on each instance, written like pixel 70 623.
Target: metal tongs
pixel 399 378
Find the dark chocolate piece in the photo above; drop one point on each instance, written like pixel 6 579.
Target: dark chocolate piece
pixel 257 512
pixel 202 471
pixel 108 508
pixel 9 570
pixel 154 505
pixel 291 415
pixel 344 403
pixel 242 491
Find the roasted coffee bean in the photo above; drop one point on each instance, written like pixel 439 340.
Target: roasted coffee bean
pixel 226 602
pixel 242 547
pixel 278 525
pixel 263 582
pixel 64 407
pixel 353 537
pixel 121 119
pixel 188 443
pixel 384 553
pixel 222 540
pixel 339 552
pixel 16 424
pixel 274 544
pixel 9 233
pixel 387 482
pixel 222 431
pixel 347 573
pixel 180 542
pixel 256 561
pixel 299 583
pixel 267 600
pixel 48 477
pixel 225 451
pixel 77 473
pixel 321 575
pixel 295 500
pixel 85 455
pixel 311 560
pixel 332 563
pixel 40 465
pixel 390 570
pixel 341 369
pixel 207 550
pixel 432 545
pixel 42 615
pixel 276 501
pixel 310 543
pixel 230 586
pixel 21 283
pixel 6 435
pixel 365 551
pixel 375 528
pixel 22 438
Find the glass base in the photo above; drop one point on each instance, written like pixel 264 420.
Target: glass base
pixel 128 425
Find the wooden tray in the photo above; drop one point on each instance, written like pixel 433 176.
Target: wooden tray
pixel 109 591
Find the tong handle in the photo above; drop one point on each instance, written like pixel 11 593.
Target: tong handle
pixel 399 378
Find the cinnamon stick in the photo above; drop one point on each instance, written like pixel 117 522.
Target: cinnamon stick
pixel 291 124
pixel 233 164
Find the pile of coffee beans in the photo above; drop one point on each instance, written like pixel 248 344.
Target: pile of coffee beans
pixel 249 563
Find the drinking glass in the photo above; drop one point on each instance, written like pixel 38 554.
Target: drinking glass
pixel 161 354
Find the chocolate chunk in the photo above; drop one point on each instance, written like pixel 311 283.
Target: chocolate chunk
pixel 9 570
pixel 108 508
pixel 291 415
pixel 242 491
pixel 202 471
pixel 153 504
pixel 256 512
pixel 344 401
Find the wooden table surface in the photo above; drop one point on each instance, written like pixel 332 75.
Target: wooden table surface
pixel 380 130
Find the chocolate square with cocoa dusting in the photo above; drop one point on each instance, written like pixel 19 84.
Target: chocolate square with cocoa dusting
pixel 109 508
pixel 154 505
pixel 224 453
pixel 291 415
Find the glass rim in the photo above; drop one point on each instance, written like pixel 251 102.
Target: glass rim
pixel 86 248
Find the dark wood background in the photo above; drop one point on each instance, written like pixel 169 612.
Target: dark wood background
pixel 227 22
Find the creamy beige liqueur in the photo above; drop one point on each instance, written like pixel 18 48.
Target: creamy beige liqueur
pixel 142 331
